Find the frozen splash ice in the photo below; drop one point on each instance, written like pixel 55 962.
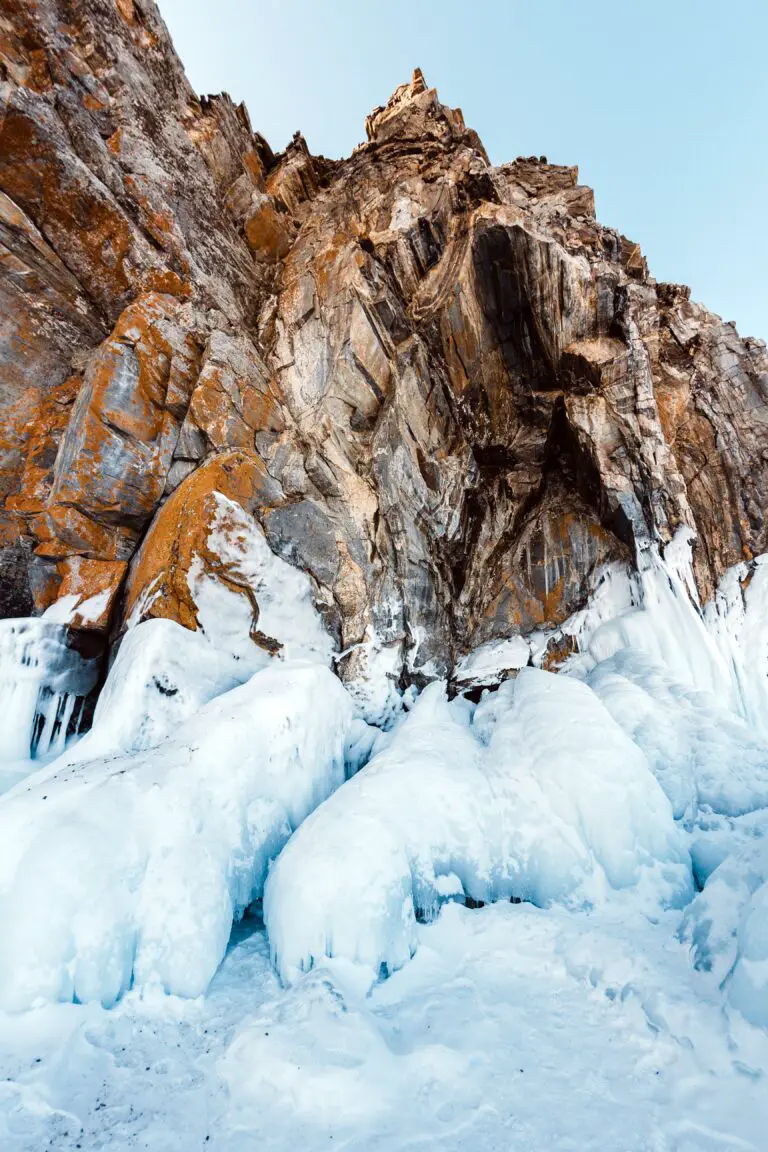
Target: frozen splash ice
pixel 654 609
pixel 551 790
pixel 43 685
pixel 164 848
pixel 539 796
pixel 738 619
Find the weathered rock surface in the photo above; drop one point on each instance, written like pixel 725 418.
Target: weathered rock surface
pixel 441 388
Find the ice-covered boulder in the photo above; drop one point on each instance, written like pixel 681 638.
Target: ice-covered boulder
pixel 128 869
pixel 539 796
pixel 162 675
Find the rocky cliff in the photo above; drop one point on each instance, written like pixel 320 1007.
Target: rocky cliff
pixel 439 387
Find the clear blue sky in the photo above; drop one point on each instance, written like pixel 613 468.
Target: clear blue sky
pixel 663 104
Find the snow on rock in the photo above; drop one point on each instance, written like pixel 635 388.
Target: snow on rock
pixel 492 662
pixel 284 593
pixel 164 673
pixel 131 869
pixel 371 671
pixel 539 796
pixel 76 608
pixel 43 682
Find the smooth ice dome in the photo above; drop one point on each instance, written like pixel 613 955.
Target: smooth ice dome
pixel 131 869
pixel 539 796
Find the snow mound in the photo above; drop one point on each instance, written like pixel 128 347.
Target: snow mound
pixel 131 869
pixel 538 796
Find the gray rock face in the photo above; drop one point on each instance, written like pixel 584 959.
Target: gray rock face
pixel 451 395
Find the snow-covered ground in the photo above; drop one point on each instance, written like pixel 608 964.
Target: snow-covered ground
pixel 512 1028
pixel 613 997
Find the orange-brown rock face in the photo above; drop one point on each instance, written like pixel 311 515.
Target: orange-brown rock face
pixel 440 388
pixel 116 451
pixel 160 582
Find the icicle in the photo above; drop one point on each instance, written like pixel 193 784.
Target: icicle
pixel 41 682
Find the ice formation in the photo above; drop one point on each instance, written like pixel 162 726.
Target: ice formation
pixel 705 756
pixel 131 869
pixel 547 791
pixel 726 926
pixel 738 619
pixel 164 673
pixel 43 683
pixel 539 796
pixel 641 764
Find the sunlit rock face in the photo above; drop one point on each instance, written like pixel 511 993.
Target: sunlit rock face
pixel 439 388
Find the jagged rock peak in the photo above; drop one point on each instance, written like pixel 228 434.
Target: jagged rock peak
pixel 413 110
pixel 403 95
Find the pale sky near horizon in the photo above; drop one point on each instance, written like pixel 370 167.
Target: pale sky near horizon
pixel 662 103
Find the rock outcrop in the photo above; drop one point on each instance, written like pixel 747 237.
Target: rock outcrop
pixel 441 388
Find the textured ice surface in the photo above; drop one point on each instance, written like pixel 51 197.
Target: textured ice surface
pixel 162 675
pixel 705 757
pixel 540 796
pixel 513 1028
pixel 726 926
pixel 738 619
pixel 131 869
pixel 604 1019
